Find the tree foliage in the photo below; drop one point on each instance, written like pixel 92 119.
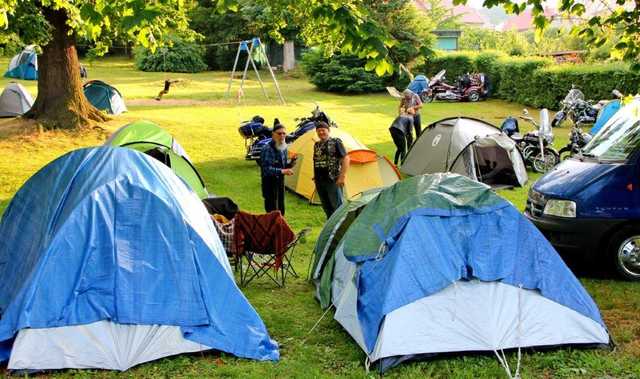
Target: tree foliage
pixel 142 21
pixel 518 43
pixel 621 18
pixel 337 25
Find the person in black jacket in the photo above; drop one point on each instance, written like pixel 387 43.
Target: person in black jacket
pixel 274 166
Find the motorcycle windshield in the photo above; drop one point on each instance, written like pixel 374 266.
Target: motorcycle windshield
pixel 573 96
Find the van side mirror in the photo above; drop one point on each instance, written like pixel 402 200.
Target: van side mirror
pixel 525 111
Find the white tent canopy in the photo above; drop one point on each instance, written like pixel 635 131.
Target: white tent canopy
pixel 14 100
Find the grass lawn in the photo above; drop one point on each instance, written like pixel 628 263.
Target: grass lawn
pixel 196 112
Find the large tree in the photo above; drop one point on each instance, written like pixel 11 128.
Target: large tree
pixel 57 24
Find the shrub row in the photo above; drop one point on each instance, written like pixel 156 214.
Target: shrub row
pixel 534 81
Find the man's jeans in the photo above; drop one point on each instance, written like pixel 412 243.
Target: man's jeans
pixel 330 195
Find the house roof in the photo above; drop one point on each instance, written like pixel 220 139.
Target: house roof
pixel 524 20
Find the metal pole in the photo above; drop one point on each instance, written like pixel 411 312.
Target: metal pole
pixel 235 64
pixel 244 74
pixel 259 79
pixel 273 76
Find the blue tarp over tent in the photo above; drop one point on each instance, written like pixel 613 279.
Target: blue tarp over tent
pixel 419 84
pixel 605 114
pixel 111 234
pixel 439 243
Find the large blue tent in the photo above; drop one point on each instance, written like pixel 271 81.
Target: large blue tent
pixel 108 260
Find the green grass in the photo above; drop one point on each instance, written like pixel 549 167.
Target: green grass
pixel 205 123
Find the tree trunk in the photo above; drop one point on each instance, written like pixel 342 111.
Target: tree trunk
pixel 289 56
pixel 61 103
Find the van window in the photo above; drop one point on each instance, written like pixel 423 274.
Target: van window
pixel 617 140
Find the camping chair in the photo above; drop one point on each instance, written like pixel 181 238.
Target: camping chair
pixel 254 264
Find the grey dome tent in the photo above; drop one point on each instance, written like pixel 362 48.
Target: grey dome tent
pixel 469 147
pixel 14 100
pixel 104 97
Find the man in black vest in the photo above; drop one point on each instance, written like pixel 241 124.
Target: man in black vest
pixel 330 165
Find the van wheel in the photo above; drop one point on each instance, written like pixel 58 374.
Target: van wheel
pixel 624 253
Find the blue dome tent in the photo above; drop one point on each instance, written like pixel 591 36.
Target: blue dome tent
pixel 109 260
pixel 439 264
pixel 24 65
pixel 104 97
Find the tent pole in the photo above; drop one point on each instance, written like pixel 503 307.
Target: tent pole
pixel 273 77
pixel 233 71
pixel 244 74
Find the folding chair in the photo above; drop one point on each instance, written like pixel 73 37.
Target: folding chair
pixel 257 264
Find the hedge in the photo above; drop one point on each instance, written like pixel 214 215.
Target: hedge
pixel 535 81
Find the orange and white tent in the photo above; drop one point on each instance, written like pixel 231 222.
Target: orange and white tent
pixel 368 170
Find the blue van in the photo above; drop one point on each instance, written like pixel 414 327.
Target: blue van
pixel 590 204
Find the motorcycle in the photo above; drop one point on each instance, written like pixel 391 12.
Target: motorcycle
pixel 575 108
pixel 469 88
pixel 536 147
pixel 254 143
pixel 577 140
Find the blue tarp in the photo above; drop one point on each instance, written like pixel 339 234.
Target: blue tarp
pixel 112 234
pixel 419 84
pixel 26 69
pixel 432 248
pixel 605 114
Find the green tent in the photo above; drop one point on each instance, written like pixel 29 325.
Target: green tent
pixel 331 234
pixel 149 138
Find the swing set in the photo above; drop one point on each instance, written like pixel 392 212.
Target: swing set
pixel 249 47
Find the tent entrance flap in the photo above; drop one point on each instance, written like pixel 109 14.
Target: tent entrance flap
pixel 493 165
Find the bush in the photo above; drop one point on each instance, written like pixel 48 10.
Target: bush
pixel 341 73
pixel 181 56
pixel 456 64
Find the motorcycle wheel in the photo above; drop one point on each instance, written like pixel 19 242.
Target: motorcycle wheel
pixel 565 153
pixel 426 98
pixel 473 96
pixel 542 165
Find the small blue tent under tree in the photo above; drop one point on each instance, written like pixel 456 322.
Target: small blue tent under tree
pixel 109 260
pixel 24 65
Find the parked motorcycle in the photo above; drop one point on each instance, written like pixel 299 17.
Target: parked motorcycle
pixel 575 108
pixel 577 137
pixel 536 147
pixel 577 140
pixel 470 87
pixel 254 143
